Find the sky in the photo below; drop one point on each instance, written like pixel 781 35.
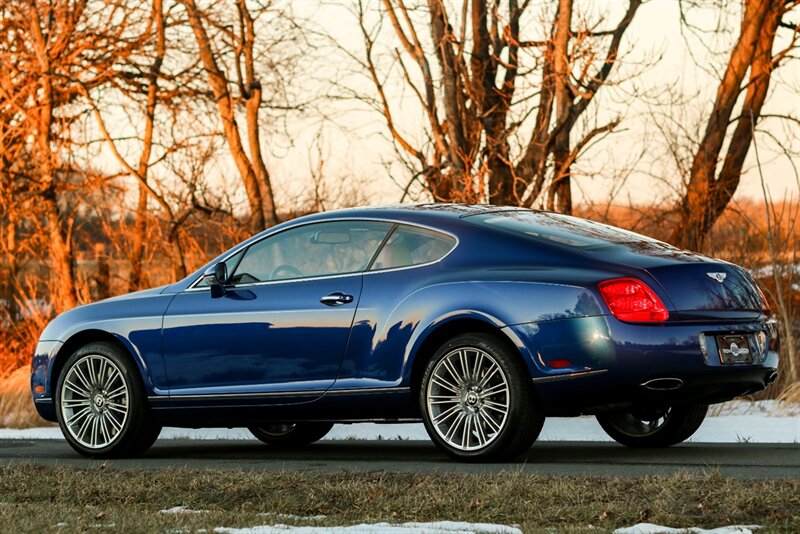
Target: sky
pixel 675 60
pixel 631 165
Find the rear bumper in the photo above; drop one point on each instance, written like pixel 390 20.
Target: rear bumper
pixel 615 365
pixel 596 394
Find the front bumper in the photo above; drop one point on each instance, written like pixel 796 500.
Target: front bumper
pixel 41 389
pixel 616 365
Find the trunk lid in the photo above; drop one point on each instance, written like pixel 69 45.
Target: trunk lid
pixel 709 288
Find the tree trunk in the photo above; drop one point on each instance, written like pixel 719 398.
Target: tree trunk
pixel 561 189
pixel 219 86
pixel 700 205
pixel 140 228
pixel 10 286
pixel 57 228
pixel 61 254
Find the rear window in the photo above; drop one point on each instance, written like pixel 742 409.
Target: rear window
pixel 565 230
pixel 409 245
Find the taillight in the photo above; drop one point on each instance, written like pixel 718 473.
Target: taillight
pixel 631 300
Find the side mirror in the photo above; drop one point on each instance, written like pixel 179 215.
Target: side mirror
pixel 216 277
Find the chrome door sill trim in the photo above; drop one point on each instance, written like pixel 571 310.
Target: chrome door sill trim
pixel 356 391
pixel 211 396
pixel 569 376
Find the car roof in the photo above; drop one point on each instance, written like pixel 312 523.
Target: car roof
pixel 414 212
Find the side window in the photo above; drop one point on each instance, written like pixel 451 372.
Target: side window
pixel 313 250
pixel 412 246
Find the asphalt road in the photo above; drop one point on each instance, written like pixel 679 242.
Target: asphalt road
pixel 746 461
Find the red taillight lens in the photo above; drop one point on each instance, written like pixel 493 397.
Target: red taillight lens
pixel 631 300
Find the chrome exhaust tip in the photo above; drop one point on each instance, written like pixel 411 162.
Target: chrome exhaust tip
pixel 662 384
pixel 773 376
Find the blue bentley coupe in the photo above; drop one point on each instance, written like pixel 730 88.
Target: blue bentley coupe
pixel 478 320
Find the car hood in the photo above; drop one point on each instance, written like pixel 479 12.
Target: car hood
pixel 134 295
pixel 146 303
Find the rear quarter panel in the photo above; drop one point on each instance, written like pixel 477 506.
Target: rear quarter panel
pixel 400 309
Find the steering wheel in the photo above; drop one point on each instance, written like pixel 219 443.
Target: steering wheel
pixel 287 269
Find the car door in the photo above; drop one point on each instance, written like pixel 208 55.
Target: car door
pixel 384 325
pixel 282 325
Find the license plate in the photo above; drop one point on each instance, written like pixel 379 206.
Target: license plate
pixel 734 349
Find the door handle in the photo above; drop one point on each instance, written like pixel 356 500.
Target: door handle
pixel 336 299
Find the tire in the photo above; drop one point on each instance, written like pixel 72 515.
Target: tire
pixel 477 400
pixel 101 404
pixel 291 435
pixel 662 428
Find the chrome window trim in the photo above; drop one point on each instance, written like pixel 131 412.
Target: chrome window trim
pixel 193 287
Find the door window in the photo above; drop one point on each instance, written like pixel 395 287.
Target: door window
pixel 409 245
pixel 312 250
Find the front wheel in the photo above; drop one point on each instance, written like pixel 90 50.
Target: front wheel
pixel 101 404
pixel 653 428
pixel 477 400
pixel 292 434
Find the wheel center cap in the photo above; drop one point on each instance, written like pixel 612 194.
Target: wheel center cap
pixel 472 398
pixel 99 401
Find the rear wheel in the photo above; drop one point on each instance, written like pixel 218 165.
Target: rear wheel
pixel 101 404
pixel 291 434
pixel 477 400
pixel 653 428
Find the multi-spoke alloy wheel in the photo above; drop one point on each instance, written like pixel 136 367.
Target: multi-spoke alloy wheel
pixel 290 434
pixel 94 401
pixel 477 400
pixel 468 398
pixel 102 404
pixel 654 427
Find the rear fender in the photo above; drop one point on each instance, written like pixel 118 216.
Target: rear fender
pixel 495 304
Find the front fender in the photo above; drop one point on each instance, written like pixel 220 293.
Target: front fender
pixel 135 323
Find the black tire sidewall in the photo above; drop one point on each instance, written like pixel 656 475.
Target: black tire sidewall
pixel 301 435
pixel 139 430
pixel 683 421
pixel 524 420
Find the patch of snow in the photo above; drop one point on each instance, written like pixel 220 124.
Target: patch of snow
pixel 736 421
pixel 438 527
pixel 766 270
pixel 294 517
pixel 61 525
pixel 769 408
pixel 182 510
pixel 649 528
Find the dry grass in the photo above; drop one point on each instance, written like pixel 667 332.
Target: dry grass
pixel 37 498
pixel 791 395
pixel 16 405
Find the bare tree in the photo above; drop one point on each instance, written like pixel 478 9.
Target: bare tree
pixel 146 79
pixel 484 141
pixel 242 36
pixel 50 55
pixel 749 70
pixel 143 166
